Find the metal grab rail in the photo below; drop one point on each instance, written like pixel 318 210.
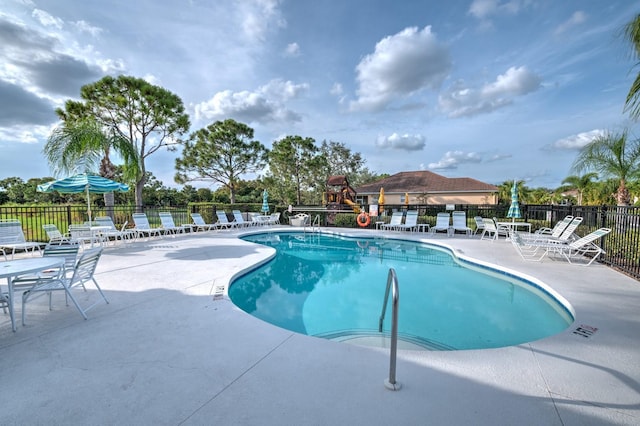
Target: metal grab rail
pixel 392 278
pixel 313 225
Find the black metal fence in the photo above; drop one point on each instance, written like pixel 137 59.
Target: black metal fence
pixel 622 245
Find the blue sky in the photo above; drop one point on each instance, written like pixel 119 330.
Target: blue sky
pixel 488 89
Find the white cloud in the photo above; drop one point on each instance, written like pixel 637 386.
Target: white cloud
pixel 460 100
pixel 576 142
pixel 85 27
pixel 576 18
pixel 46 19
pixel 336 89
pixel 293 49
pixel 266 104
pixel 404 142
pixel 452 159
pixel 401 64
pixel 259 17
pixel 483 9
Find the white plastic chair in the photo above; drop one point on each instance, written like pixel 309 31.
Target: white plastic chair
pixel 410 222
pixel 200 224
pixel 460 223
pixel 442 223
pixel 123 234
pixel 143 228
pixel 12 237
pixel 396 220
pixel 239 219
pixel 223 221
pixel 168 225
pixel 82 274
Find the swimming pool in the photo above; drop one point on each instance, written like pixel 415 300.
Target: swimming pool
pixel 333 287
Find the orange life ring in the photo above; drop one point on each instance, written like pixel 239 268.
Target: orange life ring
pixel 363 219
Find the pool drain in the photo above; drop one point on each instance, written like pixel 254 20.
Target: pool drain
pixel 585 331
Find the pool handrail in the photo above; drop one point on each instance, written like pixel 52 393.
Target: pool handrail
pixel 392 278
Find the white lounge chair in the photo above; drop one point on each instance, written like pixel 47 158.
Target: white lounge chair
pixel 274 219
pixel 83 234
pixel 582 247
pixel 410 222
pixel 12 238
pixel 110 231
pixel 200 224
pixel 557 230
pixel 442 223
pixel 396 220
pixel 82 275
pixel 239 219
pixel 223 221
pixel 567 234
pixel 460 223
pixel 143 228
pixel 168 225
pixel 479 224
pixel 55 236
pixel 489 229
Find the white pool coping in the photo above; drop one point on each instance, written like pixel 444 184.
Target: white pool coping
pixel 166 351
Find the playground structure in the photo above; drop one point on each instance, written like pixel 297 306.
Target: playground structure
pixel 340 195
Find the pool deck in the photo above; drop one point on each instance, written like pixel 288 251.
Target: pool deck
pixel 166 351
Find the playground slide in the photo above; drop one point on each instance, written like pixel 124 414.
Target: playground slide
pixel 354 206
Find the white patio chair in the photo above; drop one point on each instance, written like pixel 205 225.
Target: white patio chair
pixel 67 251
pixel 83 235
pixel 396 220
pixel 442 223
pixel 110 231
pixel 223 221
pixel 83 273
pixel 12 238
pixel 274 219
pixel 479 224
pixel 239 219
pixel 582 247
pixel 200 224
pixel 557 230
pixel 489 229
pixel 168 225
pixel 410 222
pixel 460 223
pixel 568 234
pixel 55 236
pixel 143 228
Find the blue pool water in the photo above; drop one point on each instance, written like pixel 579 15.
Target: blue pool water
pixel 329 286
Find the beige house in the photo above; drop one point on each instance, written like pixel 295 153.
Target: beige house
pixel 423 187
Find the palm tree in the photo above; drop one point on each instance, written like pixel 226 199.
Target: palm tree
pixel 612 156
pixel 580 183
pixel 632 34
pixel 82 146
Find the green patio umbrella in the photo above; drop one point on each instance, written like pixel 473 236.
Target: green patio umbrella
pixel 91 184
pixel 265 201
pixel 514 209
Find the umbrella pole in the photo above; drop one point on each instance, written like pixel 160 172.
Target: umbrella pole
pixel 89 206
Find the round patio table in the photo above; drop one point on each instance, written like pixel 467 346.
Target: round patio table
pixel 13 268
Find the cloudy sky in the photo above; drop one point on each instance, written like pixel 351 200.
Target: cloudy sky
pixel 488 89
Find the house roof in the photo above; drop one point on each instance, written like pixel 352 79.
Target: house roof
pixel 425 181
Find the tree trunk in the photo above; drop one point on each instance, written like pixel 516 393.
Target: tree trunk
pixel 138 196
pixel 622 195
pixel 109 202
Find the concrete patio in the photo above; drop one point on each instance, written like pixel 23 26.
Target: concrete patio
pixel 166 351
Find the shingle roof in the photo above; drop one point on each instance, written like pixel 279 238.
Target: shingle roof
pixel 425 181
